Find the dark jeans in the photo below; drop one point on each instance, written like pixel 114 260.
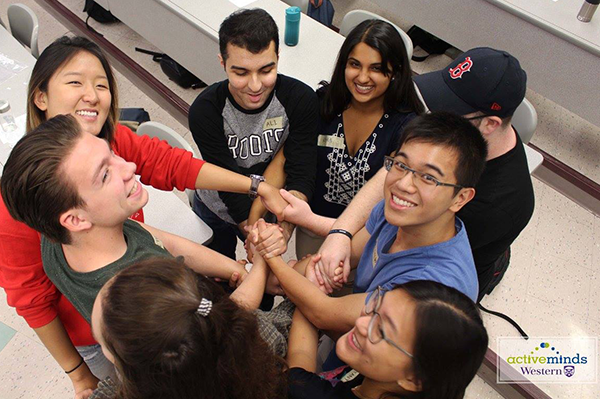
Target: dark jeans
pixel 224 240
pixel 225 235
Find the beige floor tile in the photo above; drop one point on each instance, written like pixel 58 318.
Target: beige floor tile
pixel 26 369
pixel 564 209
pixel 59 387
pixel 593 390
pixel 541 319
pixel 595 297
pixel 479 389
pixel 565 229
pixel 9 316
pixel 562 391
pixel 566 136
pixel 590 390
pixel 560 283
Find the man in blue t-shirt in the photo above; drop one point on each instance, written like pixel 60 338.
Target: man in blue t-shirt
pixel 413 234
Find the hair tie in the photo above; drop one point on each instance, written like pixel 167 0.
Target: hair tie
pixel 204 307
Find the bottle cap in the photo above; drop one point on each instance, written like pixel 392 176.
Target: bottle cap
pixel 292 14
pixel 4 106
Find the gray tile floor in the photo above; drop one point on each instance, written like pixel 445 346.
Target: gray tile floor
pixel 551 289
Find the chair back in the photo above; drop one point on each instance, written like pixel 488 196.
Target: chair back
pixel 355 17
pixel 303 4
pixel 24 26
pixel 525 120
pixel 155 129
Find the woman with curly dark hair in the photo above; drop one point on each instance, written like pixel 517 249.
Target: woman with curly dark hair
pixel 172 333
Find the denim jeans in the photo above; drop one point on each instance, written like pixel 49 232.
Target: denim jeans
pixel 225 235
pixel 99 365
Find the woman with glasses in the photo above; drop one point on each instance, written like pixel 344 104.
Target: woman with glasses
pixel 419 340
pixel 363 110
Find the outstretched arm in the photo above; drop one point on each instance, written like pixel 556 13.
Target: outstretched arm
pixel 58 343
pixel 199 258
pixel 326 313
pixel 250 293
pixel 302 344
pixel 337 248
pixel 275 177
pixel 299 213
pixel 213 177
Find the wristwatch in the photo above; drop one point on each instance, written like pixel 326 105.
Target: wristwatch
pixel 256 180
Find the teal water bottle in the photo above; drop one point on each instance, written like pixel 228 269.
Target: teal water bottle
pixel 292 26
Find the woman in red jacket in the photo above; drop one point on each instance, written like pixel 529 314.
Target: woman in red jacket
pixel 72 76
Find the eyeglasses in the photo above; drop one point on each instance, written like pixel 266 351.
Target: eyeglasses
pixel 420 178
pixel 376 332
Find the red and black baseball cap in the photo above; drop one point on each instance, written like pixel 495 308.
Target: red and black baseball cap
pixel 481 79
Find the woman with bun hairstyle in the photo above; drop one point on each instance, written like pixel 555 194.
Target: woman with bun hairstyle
pixel 172 333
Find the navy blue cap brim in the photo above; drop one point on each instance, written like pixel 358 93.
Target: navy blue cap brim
pixel 438 96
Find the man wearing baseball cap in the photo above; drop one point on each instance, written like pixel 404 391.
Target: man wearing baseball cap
pixel 486 86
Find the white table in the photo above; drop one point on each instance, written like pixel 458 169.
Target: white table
pixel 188 31
pixel 14 90
pixel 167 212
pixel 164 210
pixel 560 54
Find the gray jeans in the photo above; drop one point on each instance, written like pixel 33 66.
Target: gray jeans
pixel 99 365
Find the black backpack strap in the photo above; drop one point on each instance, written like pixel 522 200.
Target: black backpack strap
pixel 507 318
pixel 156 57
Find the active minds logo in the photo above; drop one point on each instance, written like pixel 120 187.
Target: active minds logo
pixel 560 359
pixel 541 365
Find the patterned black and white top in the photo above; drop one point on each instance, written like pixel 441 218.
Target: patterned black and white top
pixel 339 174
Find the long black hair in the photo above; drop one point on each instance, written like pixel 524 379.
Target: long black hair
pixel 383 37
pixel 451 340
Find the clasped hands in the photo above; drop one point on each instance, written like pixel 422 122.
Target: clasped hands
pixel 268 241
pixel 335 251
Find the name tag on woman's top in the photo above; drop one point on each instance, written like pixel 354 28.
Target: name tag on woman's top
pixel 330 141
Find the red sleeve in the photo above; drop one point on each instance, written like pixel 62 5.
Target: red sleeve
pixel 22 276
pixel 158 164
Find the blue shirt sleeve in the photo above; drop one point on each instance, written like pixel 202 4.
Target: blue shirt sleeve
pixel 377 216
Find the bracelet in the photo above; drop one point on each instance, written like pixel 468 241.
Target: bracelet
pixel 341 231
pixel 75 368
